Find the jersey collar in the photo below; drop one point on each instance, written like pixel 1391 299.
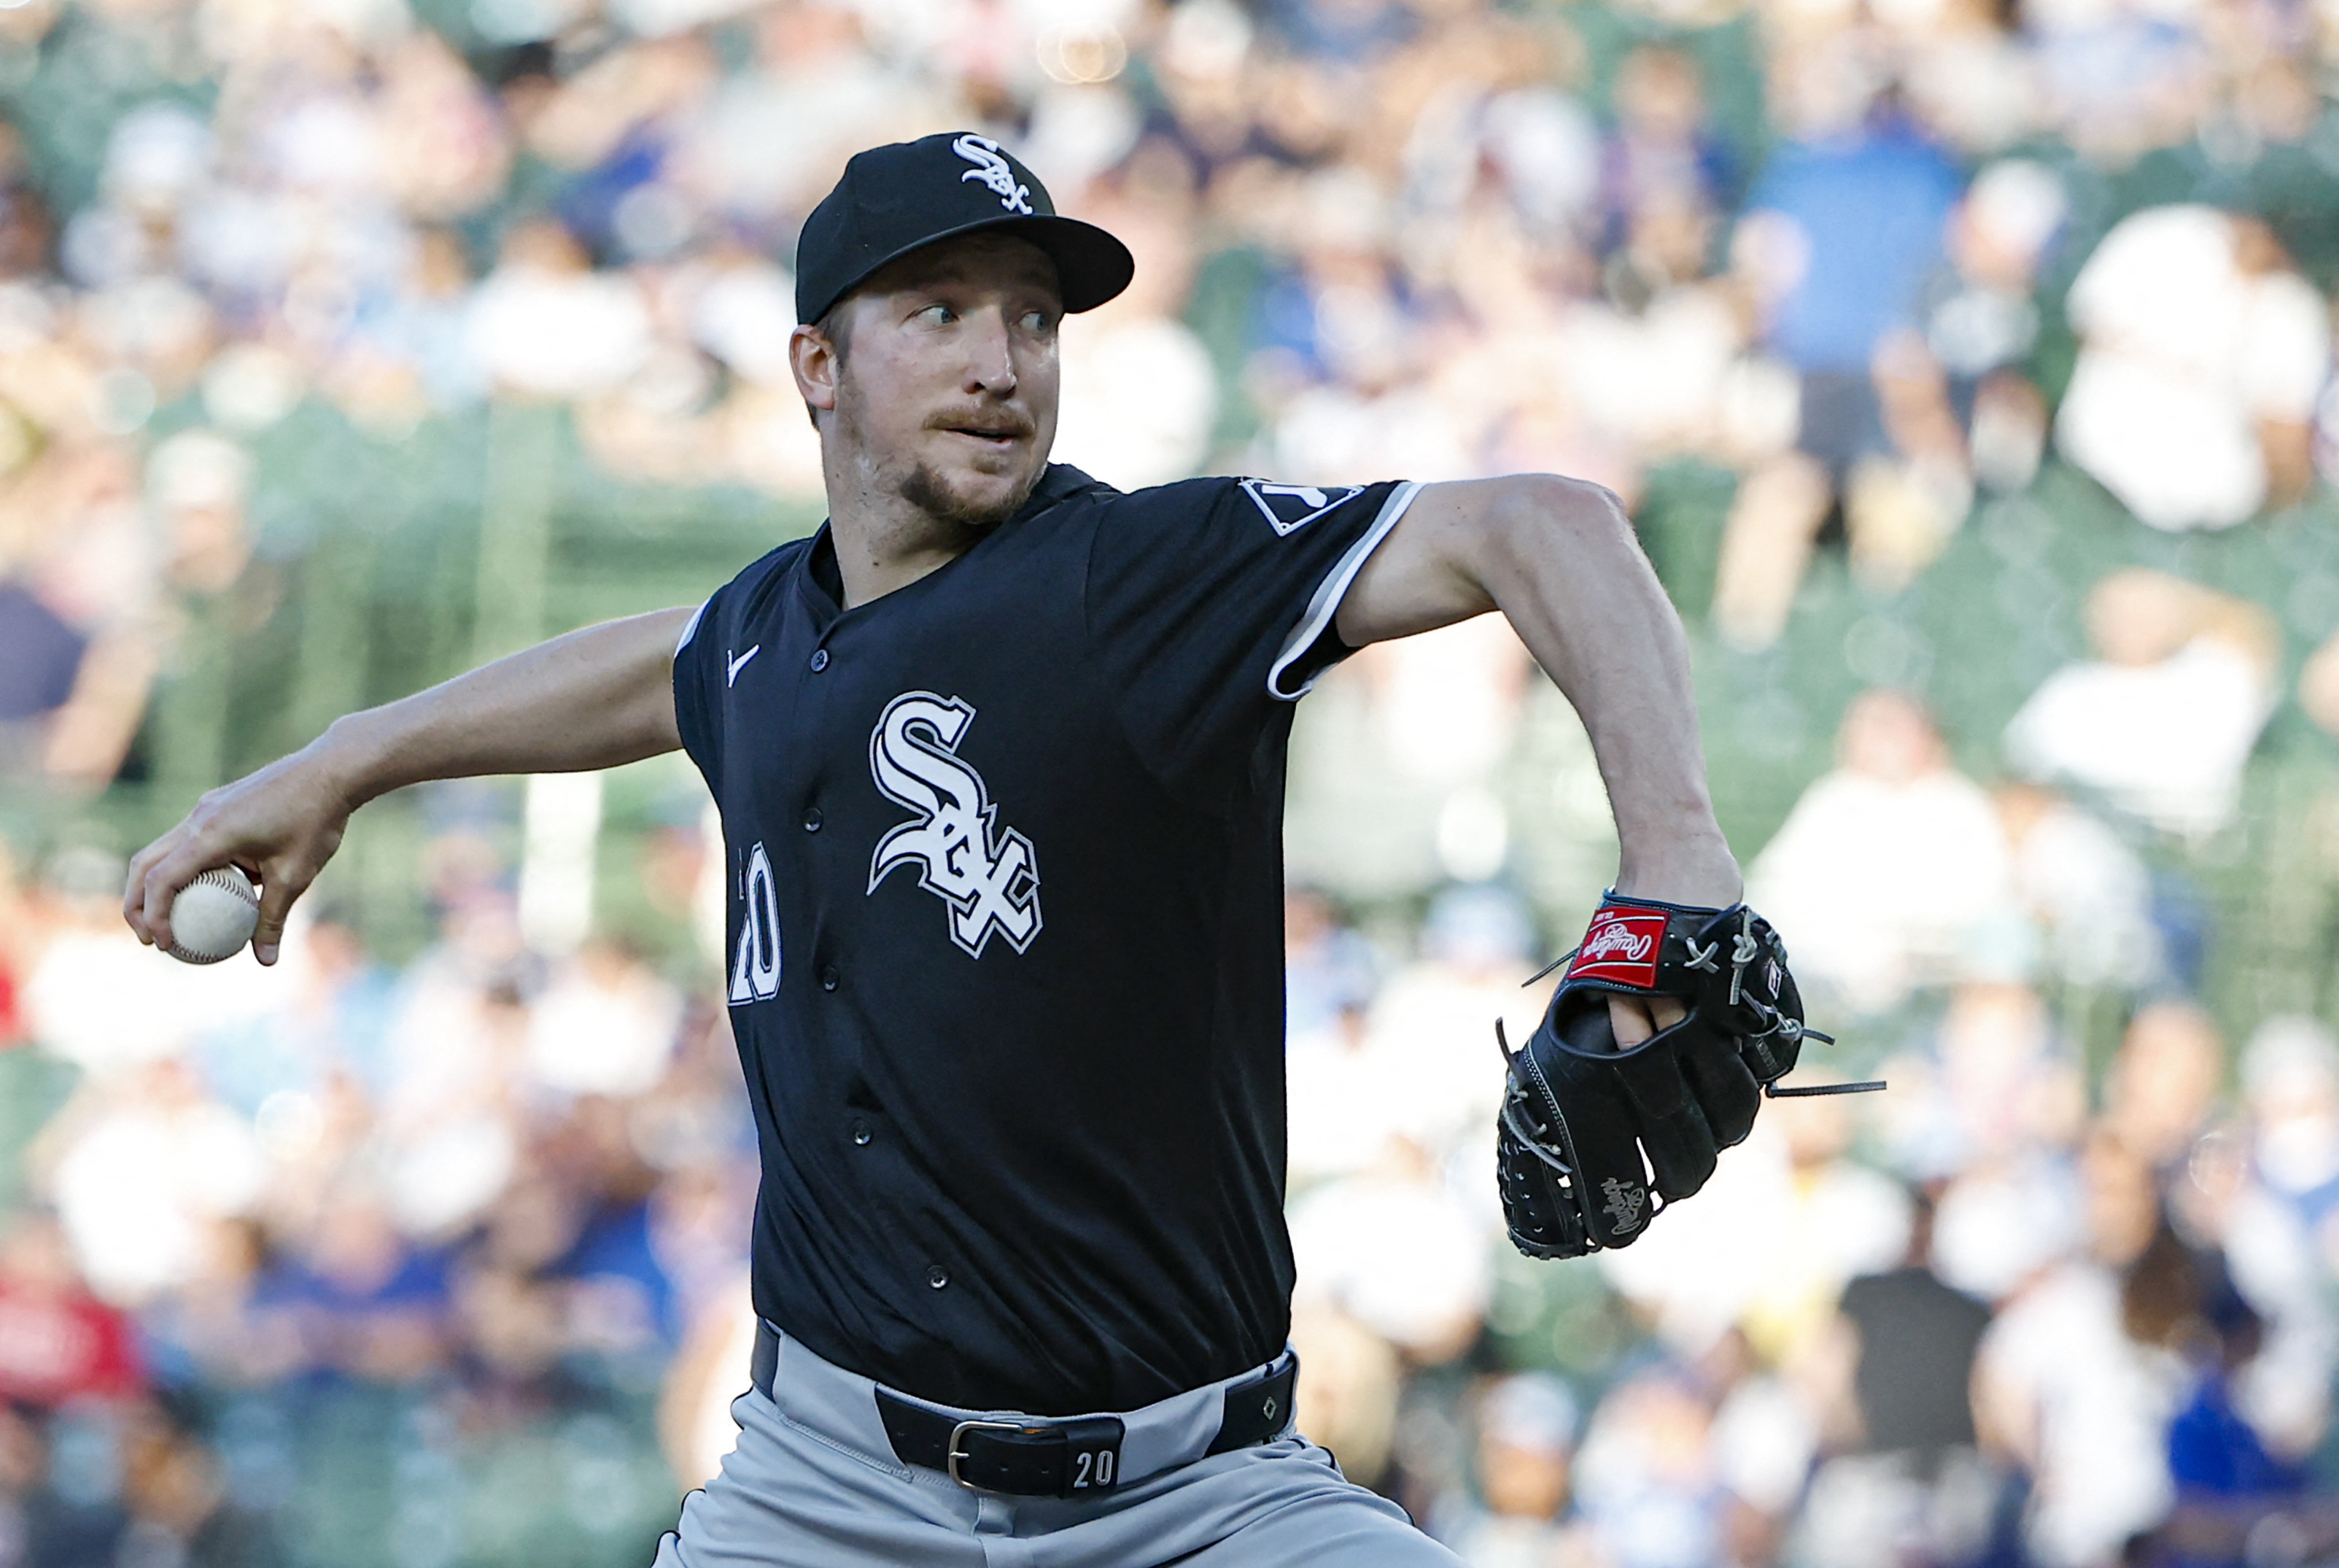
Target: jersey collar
pixel 823 586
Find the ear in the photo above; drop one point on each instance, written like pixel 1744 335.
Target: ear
pixel 814 361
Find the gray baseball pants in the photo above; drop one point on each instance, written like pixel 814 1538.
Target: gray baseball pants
pixel 814 1483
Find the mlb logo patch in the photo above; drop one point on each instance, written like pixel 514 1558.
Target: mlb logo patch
pixel 1621 946
pixel 1287 509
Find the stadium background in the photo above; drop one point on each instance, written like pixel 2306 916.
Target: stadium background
pixel 1971 355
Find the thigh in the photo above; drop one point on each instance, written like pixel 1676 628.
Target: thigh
pixel 1283 1505
pixel 789 1498
pixel 1331 1528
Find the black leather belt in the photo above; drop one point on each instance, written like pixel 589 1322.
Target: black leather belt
pixel 1040 1456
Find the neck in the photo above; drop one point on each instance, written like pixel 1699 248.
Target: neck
pixel 884 541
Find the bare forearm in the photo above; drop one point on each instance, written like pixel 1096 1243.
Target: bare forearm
pixel 592 699
pixel 1557 556
pixel 1571 578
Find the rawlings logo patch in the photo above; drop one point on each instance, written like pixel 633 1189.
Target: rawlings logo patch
pixel 1623 1205
pixel 1621 947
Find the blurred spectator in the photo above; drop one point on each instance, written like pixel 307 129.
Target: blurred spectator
pixel 140 1172
pixel 58 1343
pixel 1841 230
pixel 1662 153
pixel 354 1297
pixel 1890 868
pixel 1328 967
pixel 1526 1426
pixel 2162 1087
pixel 1431 1026
pixel 2202 358
pixel 2290 1082
pixel 1394 1248
pixel 1646 1482
pixel 77 614
pixel 18 932
pixel 1766 1436
pixel 603 1024
pixel 2081 1372
pixel 1761 1253
pixel 695 1422
pixel 1994 1108
pixel 2085 889
pixel 1341 1098
pixel 544 323
pixel 2279 1380
pixel 1908 1483
pixel 1350 1397
pixel 1838 1220
pixel 40 655
pixel 2233 1496
pixel 1981 316
pixel 2162 720
pixel 1140 395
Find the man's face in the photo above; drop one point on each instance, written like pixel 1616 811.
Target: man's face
pixel 947 394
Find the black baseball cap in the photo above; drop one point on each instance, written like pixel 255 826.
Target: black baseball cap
pixel 894 199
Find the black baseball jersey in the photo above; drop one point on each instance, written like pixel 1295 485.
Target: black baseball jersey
pixel 1005 938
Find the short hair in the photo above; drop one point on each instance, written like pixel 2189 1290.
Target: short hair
pixel 833 326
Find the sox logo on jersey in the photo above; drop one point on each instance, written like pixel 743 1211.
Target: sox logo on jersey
pixel 989 879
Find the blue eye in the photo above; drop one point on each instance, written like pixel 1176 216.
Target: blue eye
pixel 941 315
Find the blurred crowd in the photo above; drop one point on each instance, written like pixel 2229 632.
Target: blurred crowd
pixel 2012 1310
pixel 1871 259
pixel 442 1261
pixel 513 1186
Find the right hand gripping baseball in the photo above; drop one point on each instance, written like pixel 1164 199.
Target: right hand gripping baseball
pixel 281 825
pixel 1594 1139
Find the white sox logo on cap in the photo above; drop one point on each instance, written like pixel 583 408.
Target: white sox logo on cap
pixel 895 199
pixel 990 168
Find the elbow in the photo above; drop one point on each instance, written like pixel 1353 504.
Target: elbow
pixel 1539 511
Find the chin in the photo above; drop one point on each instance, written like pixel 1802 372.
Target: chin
pixel 969 496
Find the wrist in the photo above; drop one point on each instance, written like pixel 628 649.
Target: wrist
pixel 1697 870
pixel 345 761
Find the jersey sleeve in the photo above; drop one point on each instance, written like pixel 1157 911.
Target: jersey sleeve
pixel 1210 605
pixel 697 713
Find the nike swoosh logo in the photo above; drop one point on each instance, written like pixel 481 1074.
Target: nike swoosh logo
pixel 740 664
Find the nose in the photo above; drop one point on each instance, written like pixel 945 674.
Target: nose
pixel 990 361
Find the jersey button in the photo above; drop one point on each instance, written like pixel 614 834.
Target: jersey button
pixel 819 660
pixel 811 819
pixel 828 977
pixel 935 1277
pixel 861 1135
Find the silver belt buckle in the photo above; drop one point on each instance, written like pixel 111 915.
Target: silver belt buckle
pixel 955 1454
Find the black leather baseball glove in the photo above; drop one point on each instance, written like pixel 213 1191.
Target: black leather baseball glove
pixel 1594 1141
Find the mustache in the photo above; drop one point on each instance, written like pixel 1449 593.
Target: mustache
pixel 986 421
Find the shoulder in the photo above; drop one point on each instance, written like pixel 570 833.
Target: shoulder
pixel 1278 509
pixel 745 594
pixel 1166 503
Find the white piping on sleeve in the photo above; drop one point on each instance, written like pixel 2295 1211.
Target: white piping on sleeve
pixel 691 630
pixel 1325 603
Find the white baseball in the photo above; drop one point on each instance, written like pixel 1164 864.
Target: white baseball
pixel 214 916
